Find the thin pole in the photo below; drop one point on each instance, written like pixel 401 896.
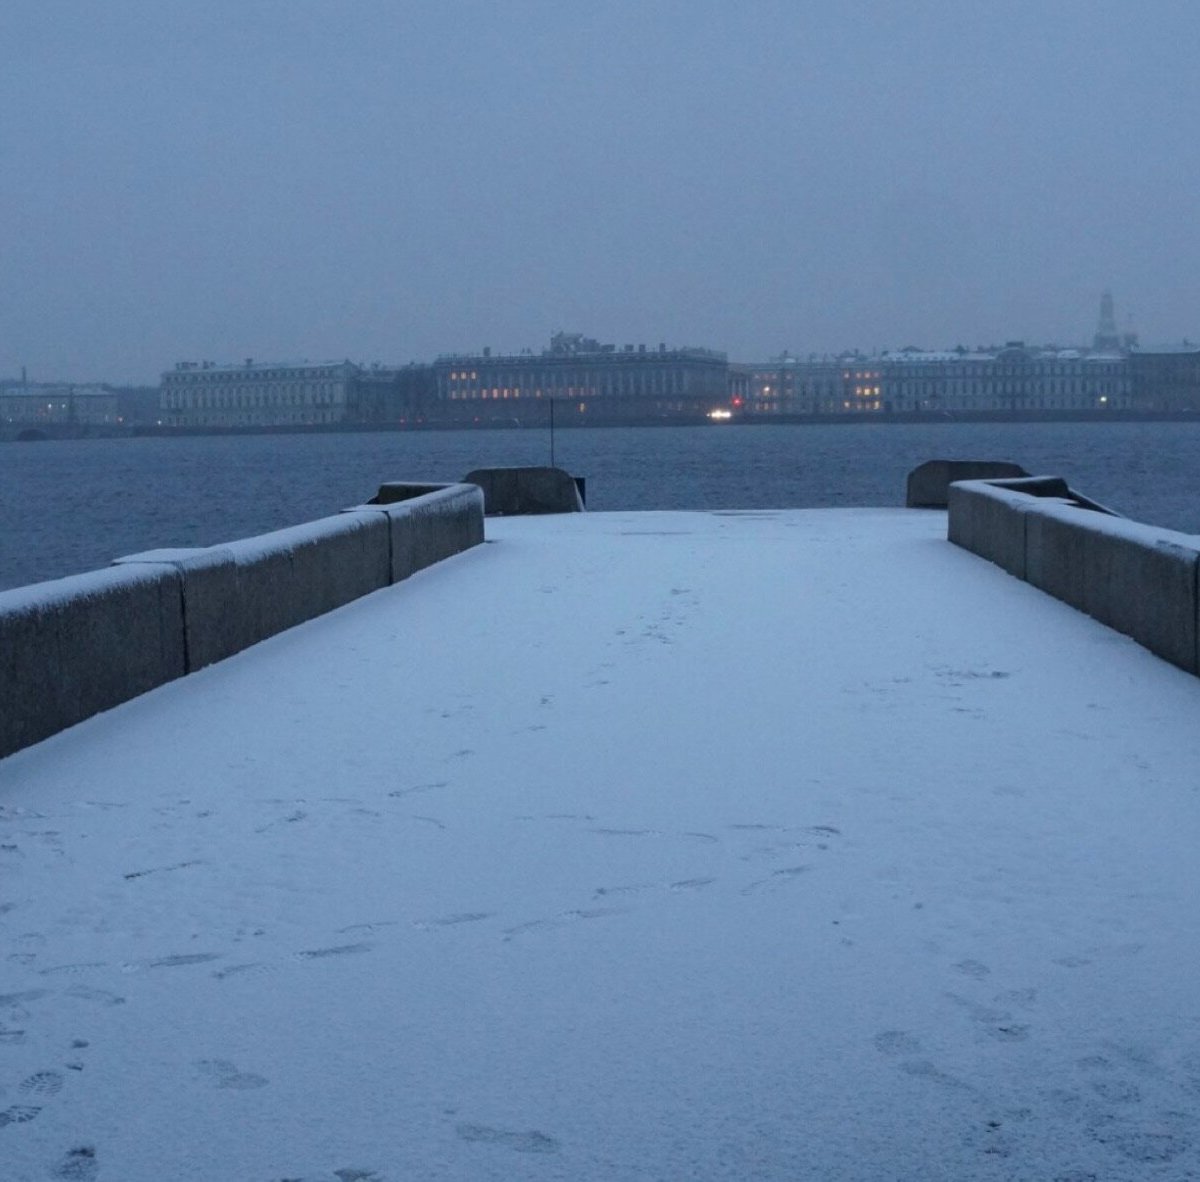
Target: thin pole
pixel 551 432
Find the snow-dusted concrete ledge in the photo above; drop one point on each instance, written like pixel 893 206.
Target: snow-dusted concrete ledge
pixel 928 485
pixel 427 523
pixel 73 647
pixel 1136 578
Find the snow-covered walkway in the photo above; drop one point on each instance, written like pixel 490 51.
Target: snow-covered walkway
pixel 628 846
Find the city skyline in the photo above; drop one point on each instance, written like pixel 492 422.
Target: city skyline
pixel 1081 343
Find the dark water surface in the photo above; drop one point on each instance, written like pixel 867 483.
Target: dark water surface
pixel 69 506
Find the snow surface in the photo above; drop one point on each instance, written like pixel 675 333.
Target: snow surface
pixel 629 846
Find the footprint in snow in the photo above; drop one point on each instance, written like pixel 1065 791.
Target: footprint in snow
pixel 896 1042
pixel 532 1141
pixel 78 1165
pixel 225 1075
pixel 336 950
pixel 564 918
pixel 778 879
pixel 72 970
pixel 42 1084
pixel 174 962
pixel 18 1114
pixel 972 968
pixel 447 921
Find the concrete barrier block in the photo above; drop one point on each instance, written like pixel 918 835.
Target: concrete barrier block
pixel 988 517
pixel 1055 556
pixel 429 526
pixel 928 484
pixel 404 490
pixel 292 575
pixel 214 621
pixel 73 647
pixel 1054 487
pixel 1138 579
pixel 989 522
pixel 434 528
pixel 517 491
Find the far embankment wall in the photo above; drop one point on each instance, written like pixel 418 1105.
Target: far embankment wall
pixel 73 647
pixel 1139 579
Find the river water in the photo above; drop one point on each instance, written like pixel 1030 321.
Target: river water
pixel 73 505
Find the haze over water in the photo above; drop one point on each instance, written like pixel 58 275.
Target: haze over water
pixel 70 506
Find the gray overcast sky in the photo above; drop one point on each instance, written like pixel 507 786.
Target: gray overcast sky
pixel 282 179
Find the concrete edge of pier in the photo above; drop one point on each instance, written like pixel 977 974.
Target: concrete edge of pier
pixel 1139 579
pixel 72 647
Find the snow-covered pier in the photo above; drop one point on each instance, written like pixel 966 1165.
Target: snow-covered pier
pixel 769 845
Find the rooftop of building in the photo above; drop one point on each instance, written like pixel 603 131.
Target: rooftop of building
pixel 566 345
pixel 631 845
pixel 1014 351
pixel 249 365
pixel 911 355
pixel 60 390
pixel 1167 349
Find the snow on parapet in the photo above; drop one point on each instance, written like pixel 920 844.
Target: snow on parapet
pixel 55 594
pixel 1139 579
pixel 79 645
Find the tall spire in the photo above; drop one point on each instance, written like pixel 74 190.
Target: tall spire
pixel 1107 339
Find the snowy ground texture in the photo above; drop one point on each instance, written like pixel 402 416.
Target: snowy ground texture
pixel 628 846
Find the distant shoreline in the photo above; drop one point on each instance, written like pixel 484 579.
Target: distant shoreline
pixel 10 433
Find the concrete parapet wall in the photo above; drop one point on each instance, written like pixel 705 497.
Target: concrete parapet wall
pixel 427 524
pixel 990 522
pixel 73 647
pixel 928 484
pixel 291 575
pixel 521 491
pixel 212 606
pixel 1135 578
pixel 239 593
pixel 76 646
pixel 1138 579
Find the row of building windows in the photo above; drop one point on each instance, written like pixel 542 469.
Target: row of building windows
pixel 200 398
pixel 599 383
pixel 208 376
pixel 999 389
pixel 502 392
pixel 308 389
pixel 263 419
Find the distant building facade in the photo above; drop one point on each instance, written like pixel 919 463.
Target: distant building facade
pixel 201 394
pixel 1166 378
pixel 402 397
pixel 1014 380
pixel 586 380
pixel 793 387
pixel 591 381
pixel 90 406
